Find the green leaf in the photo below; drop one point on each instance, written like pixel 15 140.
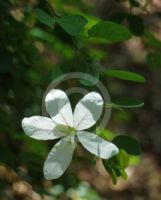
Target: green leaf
pixel 123 159
pixel 124 174
pixel 116 165
pixel 72 24
pixel 128 103
pixel 42 35
pixel 109 168
pixel 134 160
pixel 113 105
pixel 114 177
pixel 136 24
pixel 90 68
pixel 105 133
pixel 110 31
pixel 44 18
pixel 120 162
pixel 129 144
pixel 125 75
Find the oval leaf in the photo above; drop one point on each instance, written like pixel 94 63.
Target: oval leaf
pixel 110 31
pixel 44 18
pixel 126 75
pixel 123 159
pixel 72 24
pixel 129 144
pixel 128 103
pixel 92 69
pixel 109 168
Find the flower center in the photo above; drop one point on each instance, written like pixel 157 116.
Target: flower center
pixel 66 130
pixel 72 130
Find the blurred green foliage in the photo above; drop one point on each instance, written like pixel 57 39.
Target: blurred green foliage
pixel 40 41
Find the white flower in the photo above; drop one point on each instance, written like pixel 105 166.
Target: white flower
pixel 69 126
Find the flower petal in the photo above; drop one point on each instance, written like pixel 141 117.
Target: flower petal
pixel 59 158
pixel 88 110
pixel 59 108
pixel 40 128
pixel 97 145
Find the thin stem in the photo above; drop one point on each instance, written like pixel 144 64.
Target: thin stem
pixel 51 9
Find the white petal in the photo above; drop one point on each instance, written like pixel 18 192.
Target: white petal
pixel 59 108
pixel 59 158
pixel 40 128
pixel 97 145
pixel 88 110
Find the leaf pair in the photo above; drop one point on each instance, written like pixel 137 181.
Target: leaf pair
pixel 72 24
pixel 116 165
